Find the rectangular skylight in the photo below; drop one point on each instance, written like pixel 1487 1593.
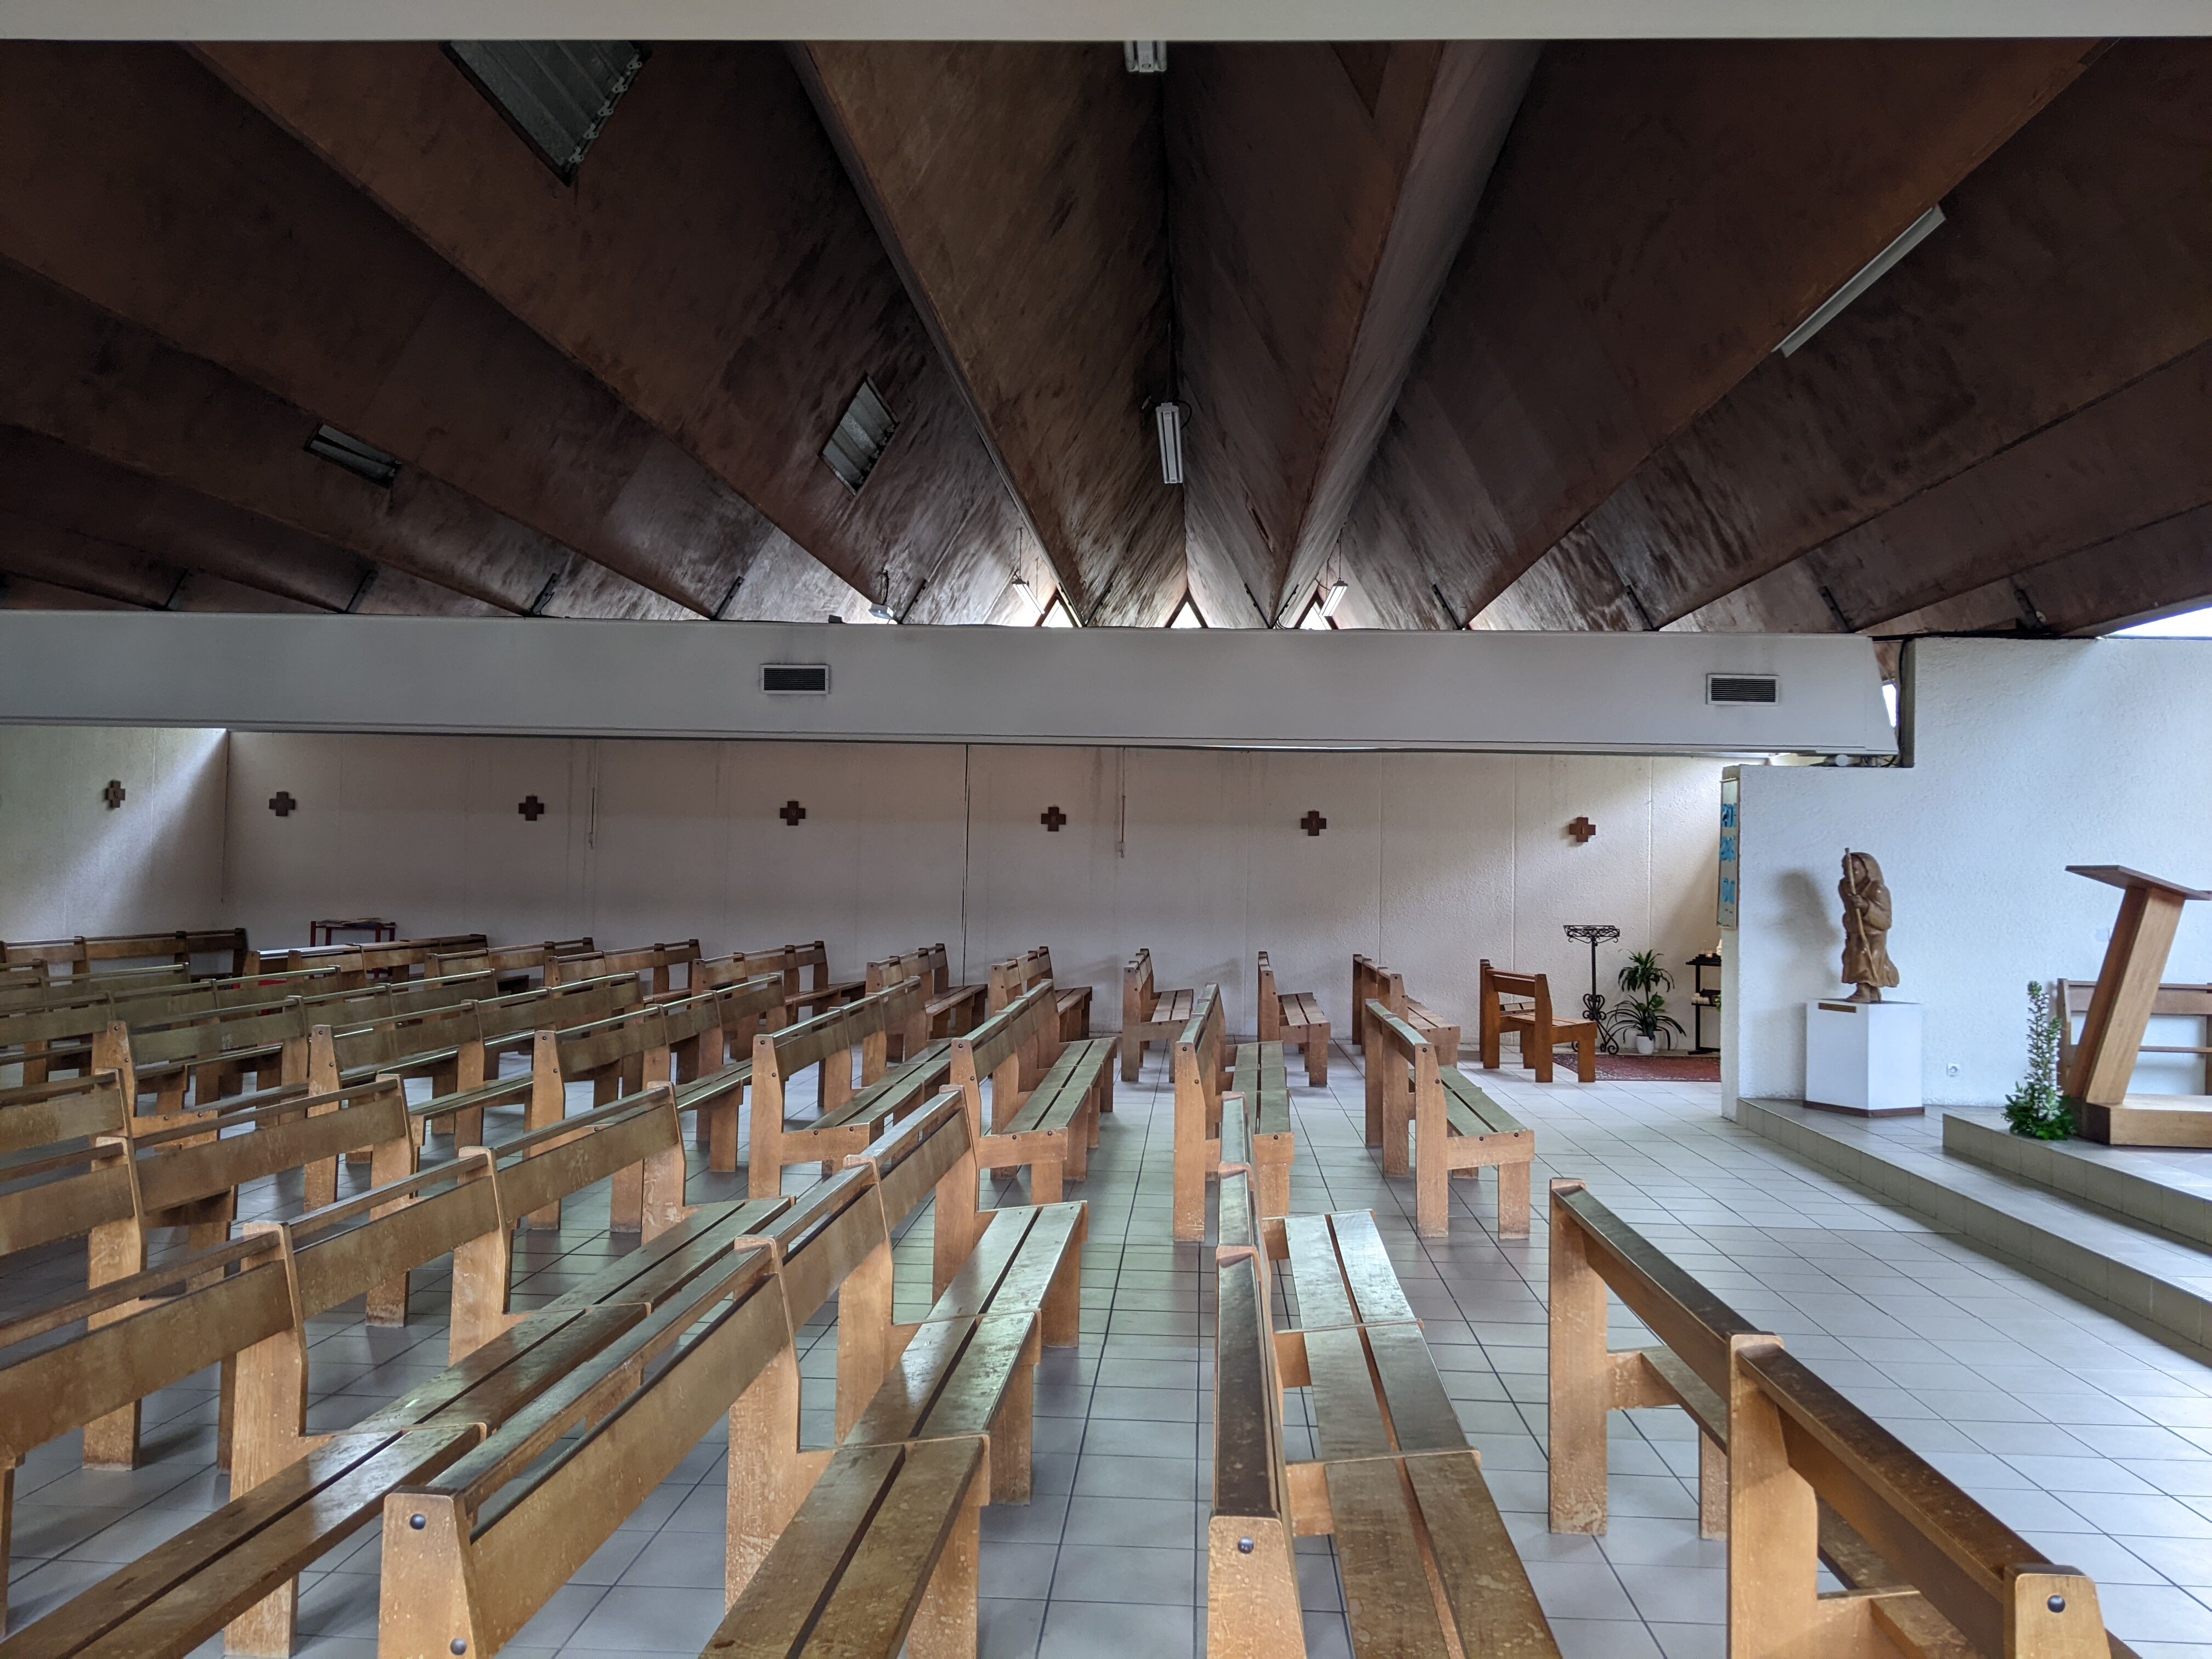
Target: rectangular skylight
pixel 556 93
pixel 362 460
pixel 863 430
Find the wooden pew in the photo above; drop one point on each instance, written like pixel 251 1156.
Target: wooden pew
pixel 845 1121
pixel 1149 1015
pixel 403 958
pixel 953 1010
pixel 1794 1474
pixel 875 1545
pixel 1295 1021
pixel 1540 1032
pixel 514 966
pixel 1259 1077
pixel 246 1299
pixel 1009 979
pixel 805 970
pixel 1046 1095
pixel 30 986
pixel 1371 982
pixel 656 963
pixel 1427 1563
pixel 1198 1077
pixel 178 948
pixel 1456 1127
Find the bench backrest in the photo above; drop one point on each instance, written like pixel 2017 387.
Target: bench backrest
pixel 30 987
pixel 1010 1048
pixel 2073 995
pixel 179 947
pixel 654 1028
pixel 657 961
pixel 781 1055
pixel 1198 1050
pixel 392 956
pixel 1007 980
pixel 1271 1002
pixel 1140 996
pixel 45 1114
pixel 1496 983
pixel 890 970
pixel 512 958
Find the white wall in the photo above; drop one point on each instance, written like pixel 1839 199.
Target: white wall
pixel 2029 756
pixel 70 864
pixel 1431 861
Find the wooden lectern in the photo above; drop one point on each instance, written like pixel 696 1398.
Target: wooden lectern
pixel 2120 1012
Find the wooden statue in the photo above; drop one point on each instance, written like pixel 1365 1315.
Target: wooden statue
pixel 1866 927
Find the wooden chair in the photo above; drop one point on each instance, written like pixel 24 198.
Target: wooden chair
pixel 1148 1014
pixel 1457 1128
pixel 1296 1021
pixel 1046 1095
pixel 1198 1079
pixel 1427 1564
pixel 1010 978
pixel 1540 1033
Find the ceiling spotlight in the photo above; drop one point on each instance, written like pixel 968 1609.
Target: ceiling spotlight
pixel 1872 272
pixel 1144 57
pixel 1168 418
pixel 1334 598
pixel 1027 595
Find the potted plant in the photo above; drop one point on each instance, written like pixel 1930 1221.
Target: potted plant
pixel 2035 1109
pixel 1641 1015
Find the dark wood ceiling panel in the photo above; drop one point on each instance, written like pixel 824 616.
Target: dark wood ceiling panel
pixel 711 263
pixel 219 232
pixel 2163 566
pixel 1663 213
pixel 1319 195
pixel 27 593
pixel 1022 191
pixel 112 389
pixel 66 558
pixel 2078 258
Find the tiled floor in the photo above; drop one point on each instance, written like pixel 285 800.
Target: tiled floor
pixel 2094 1440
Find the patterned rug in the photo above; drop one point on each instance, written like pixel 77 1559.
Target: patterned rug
pixel 1672 1068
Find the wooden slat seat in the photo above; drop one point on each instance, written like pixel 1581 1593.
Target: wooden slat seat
pixel 1296 1020
pixel 1456 1128
pixel 1261 1078
pixel 1427 1564
pixel 830 1043
pixel 1149 1015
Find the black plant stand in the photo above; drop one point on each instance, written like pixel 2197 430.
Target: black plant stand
pixel 1702 997
pixel 1595 933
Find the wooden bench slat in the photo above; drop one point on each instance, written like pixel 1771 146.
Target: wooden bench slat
pixel 1387 1598
pixel 1471 1111
pixel 1316 1281
pixel 1013 1263
pixel 1348 1421
pixel 1060 1094
pixel 1497 1611
pixel 1421 1415
pixel 950 1381
pixel 1373 1282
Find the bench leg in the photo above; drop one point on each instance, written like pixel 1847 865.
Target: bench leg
pixel 117 1249
pixel 1580 1390
pixel 768 1476
pixel 1432 1174
pixel 721 1119
pixel 764 1157
pixel 1252 1607
pixel 945 1623
pixel 273 1395
pixel 1045 1179
pixel 1062 1318
pixel 1132 1058
pixel 626 1199
pixel 1318 1055
pixel 1586 1059
pixel 6 1532
pixel 1189 1214
pixel 1712 1488
pixel 1513 1200
pixel 864 1335
pixel 1541 1060
pixel 1011 1437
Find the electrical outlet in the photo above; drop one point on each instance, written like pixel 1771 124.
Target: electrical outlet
pixel 1952 1070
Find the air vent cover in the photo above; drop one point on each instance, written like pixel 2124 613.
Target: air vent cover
pixel 798 678
pixel 1742 688
pixel 556 93
pixel 863 432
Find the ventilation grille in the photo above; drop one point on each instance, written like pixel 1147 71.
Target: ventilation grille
pixel 556 93
pixel 863 432
pixel 800 678
pixel 1742 688
pixel 362 460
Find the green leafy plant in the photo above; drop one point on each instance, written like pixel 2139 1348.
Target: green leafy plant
pixel 1646 1016
pixel 1641 974
pixel 2036 1109
pixel 1643 1012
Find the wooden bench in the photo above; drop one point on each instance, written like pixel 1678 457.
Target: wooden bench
pixel 1532 1020
pixel 178 948
pixel 403 958
pixel 1296 1021
pixel 513 965
pixel 1197 1064
pixel 1456 1127
pixel 953 1010
pixel 1016 975
pixel 808 987
pixel 1373 982
pixel 2147 1120
pixel 655 964
pixel 1427 1564
pixel 32 985
pixel 845 1120
pixel 1260 1077
pixel 1149 1015
pixel 1046 1095
pixel 1794 1475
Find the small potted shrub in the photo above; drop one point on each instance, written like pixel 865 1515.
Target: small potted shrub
pixel 2035 1109
pixel 1642 1016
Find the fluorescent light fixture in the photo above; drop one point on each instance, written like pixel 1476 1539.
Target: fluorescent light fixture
pixel 1027 595
pixel 1144 57
pixel 556 93
pixel 863 432
pixel 1889 701
pixel 362 460
pixel 883 613
pixel 1168 418
pixel 1334 598
pixel 1872 272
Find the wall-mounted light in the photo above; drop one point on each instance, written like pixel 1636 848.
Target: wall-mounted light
pixel 1168 419
pixel 1871 273
pixel 1027 595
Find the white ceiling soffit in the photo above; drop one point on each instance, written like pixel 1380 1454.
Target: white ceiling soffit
pixel 1145 687
pixel 1087 20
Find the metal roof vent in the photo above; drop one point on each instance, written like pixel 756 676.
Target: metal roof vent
pixel 362 460
pixel 556 93
pixel 863 432
pixel 805 680
pixel 1742 687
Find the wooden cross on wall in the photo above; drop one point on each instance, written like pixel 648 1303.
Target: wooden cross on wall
pixel 1313 824
pixel 532 808
pixel 1582 829
pixel 282 804
pixel 1052 818
pixel 790 811
pixel 113 793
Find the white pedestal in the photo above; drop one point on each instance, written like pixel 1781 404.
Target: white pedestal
pixel 1862 1057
